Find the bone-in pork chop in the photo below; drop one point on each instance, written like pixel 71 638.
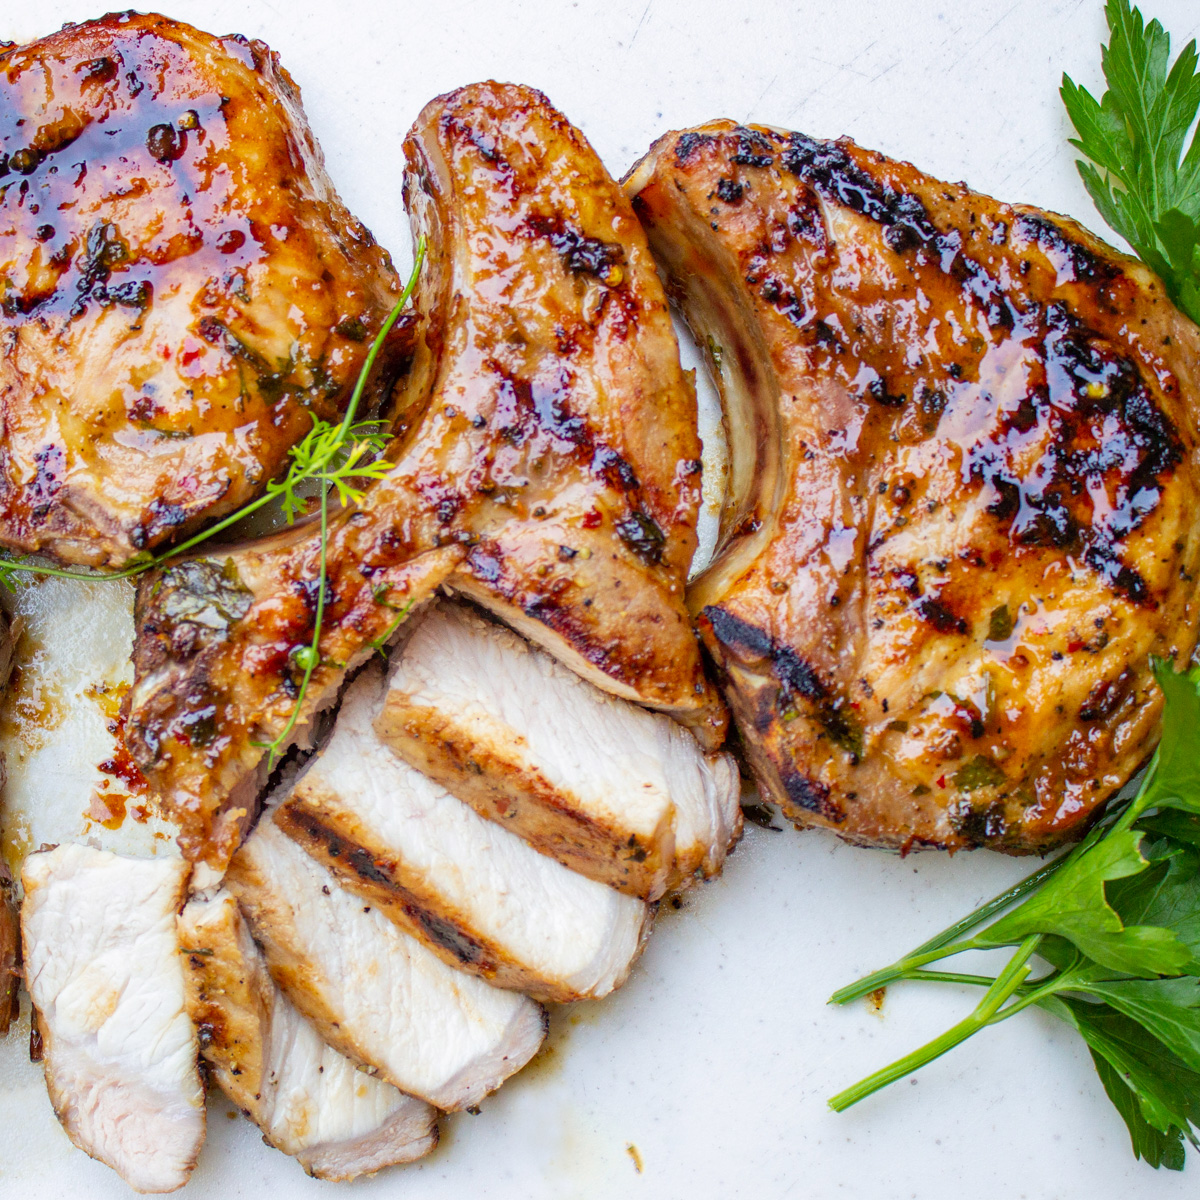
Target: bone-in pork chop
pixel 965 479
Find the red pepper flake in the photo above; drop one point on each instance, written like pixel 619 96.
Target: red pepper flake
pixel 1074 647
pixel 941 781
pixel 592 519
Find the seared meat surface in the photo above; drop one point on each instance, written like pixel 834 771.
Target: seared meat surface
pixel 309 1100
pixel 552 473
pixel 182 287
pixel 103 969
pixel 619 794
pixel 477 895
pixel 965 482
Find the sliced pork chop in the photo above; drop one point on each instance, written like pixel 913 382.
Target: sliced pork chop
pixel 965 476
pixel 103 968
pixel 373 992
pixel 617 793
pixel 478 896
pixel 309 1100
pixel 548 462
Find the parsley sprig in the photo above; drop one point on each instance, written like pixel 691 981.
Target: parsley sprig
pixel 1143 181
pixel 341 457
pixel 1116 923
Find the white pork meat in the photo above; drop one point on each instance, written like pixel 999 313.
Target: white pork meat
pixel 102 966
pixel 618 793
pixel 479 896
pixel 372 992
pixel 309 1101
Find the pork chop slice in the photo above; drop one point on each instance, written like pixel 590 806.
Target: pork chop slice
pixel 478 896
pixel 547 464
pixel 620 794
pixel 103 969
pixel 965 470
pixel 370 990
pixel 309 1101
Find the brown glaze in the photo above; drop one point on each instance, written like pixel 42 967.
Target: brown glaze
pixel 547 464
pixel 964 483
pixel 182 287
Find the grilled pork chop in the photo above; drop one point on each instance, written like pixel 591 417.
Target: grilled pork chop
pixel 553 474
pixel 182 287
pixel 619 794
pixel 964 485
pixel 371 991
pixel 309 1100
pixel 478 896
pixel 103 969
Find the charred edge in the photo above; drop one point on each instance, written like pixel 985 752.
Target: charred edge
pixel 979 825
pixel 796 677
pixel 688 143
pixel 1050 238
pixel 811 795
pixel 440 931
pixel 829 168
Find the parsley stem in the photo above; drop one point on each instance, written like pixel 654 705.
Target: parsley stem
pixel 940 946
pixel 986 1013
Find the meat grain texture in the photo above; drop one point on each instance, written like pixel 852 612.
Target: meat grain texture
pixel 965 474
pixel 103 970
pixel 478 895
pixel 375 993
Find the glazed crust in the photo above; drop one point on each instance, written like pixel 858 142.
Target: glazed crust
pixel 964 483
pixel 182 287
pixel 546 463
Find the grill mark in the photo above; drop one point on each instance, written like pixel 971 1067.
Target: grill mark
pixel 442 932
pixel 811 795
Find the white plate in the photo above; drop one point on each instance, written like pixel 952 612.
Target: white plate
pixel 716 1059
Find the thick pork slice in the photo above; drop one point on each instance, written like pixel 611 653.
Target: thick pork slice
pixel 480 897
pixel 309 1100
pixel 102 965
pixel 372 992
pixel 620 794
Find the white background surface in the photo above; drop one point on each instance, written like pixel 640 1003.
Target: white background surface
pixel 717 1058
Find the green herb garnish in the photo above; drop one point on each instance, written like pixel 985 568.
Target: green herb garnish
pixel 1117 924
pixel 1139 176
